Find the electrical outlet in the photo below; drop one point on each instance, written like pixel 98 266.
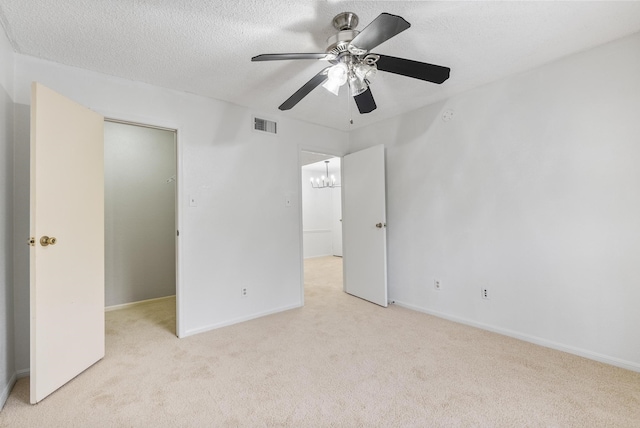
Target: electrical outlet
pixel 243 291
pixel 437 284
pixel 485 293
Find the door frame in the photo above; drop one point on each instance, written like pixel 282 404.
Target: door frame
pixel 146 123
pixel 323 151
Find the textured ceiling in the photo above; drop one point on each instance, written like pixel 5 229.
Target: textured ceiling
pixel 204 47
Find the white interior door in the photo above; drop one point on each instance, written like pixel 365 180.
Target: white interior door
pixel 364 225
pixel 66 277
pixel 336 220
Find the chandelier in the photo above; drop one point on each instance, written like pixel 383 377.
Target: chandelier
pixel 325 181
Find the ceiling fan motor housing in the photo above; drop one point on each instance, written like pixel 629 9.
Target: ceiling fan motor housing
pixel 345 21
pixel 338 43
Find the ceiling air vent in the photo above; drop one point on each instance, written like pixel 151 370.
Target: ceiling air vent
pixel 265 125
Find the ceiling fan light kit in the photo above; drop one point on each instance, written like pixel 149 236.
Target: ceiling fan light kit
pixel 350 53
pixel 336 77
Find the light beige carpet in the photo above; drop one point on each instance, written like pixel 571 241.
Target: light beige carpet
pixel 339 361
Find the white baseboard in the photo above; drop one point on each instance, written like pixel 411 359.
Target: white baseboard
pixel 23 373
pixel 140 302
pixel 629 365
pixel 238 320
pixel 7 390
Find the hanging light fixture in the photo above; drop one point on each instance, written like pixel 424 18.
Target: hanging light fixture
pixel 358 73
pixel 337 76
pixel 356 85
pixel 325 180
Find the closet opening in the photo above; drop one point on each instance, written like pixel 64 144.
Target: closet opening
pixel 140 220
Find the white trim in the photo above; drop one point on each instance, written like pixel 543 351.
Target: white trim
pixel 7 390
pixel 23 373
pixel 138 303
pixel 629 365
pixel 322 255
pixel 317 231
pixel 239 320
pixel 141 125
pixel 178 241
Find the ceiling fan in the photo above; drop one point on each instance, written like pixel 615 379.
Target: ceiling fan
pixel 349 52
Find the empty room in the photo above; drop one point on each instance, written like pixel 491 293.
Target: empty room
pixel 468 256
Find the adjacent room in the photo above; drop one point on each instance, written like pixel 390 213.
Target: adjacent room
pixel 319 213
pixel 321 198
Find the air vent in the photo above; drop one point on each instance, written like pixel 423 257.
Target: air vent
pixel 265 125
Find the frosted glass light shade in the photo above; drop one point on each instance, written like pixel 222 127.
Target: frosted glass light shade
pixel 332 87
pixel 365 72
pixel 357 85
pixel 337 77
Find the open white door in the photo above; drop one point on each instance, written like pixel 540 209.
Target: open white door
pixel 336 220
pixel 66 270
pixel 364 225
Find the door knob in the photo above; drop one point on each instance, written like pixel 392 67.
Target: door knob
pixel 379 225
pixel 45 240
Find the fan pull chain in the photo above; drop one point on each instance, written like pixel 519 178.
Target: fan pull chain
pixel 349 108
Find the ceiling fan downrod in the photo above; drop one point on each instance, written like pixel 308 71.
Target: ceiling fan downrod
pixel 345 23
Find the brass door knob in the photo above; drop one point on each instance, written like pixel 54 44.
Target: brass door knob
pixel 45 240
pixel 379 225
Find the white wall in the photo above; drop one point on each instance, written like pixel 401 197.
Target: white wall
pixel 7 366
pixel 140 231
pixel 316 217
pixel 240 234
pixel 531 190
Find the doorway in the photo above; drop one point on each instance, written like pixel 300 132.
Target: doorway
pixel 140 214
pixel 321 219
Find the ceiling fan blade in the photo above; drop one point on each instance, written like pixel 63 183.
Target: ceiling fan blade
pixel 282 56
pixel 315 81
pixel 381 29
pixel 365 102
pixel 415 69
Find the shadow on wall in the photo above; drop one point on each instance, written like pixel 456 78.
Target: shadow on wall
pixel 7 244
pixel 22 123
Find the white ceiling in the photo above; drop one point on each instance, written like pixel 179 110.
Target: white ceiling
pixel 309 158
pixel 204 46
pixel 319 165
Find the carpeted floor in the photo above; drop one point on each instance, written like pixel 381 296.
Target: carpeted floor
pixel 339 361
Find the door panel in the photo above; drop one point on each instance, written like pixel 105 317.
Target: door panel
pixel 364 207
pixel 336 219
pixel 67 278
